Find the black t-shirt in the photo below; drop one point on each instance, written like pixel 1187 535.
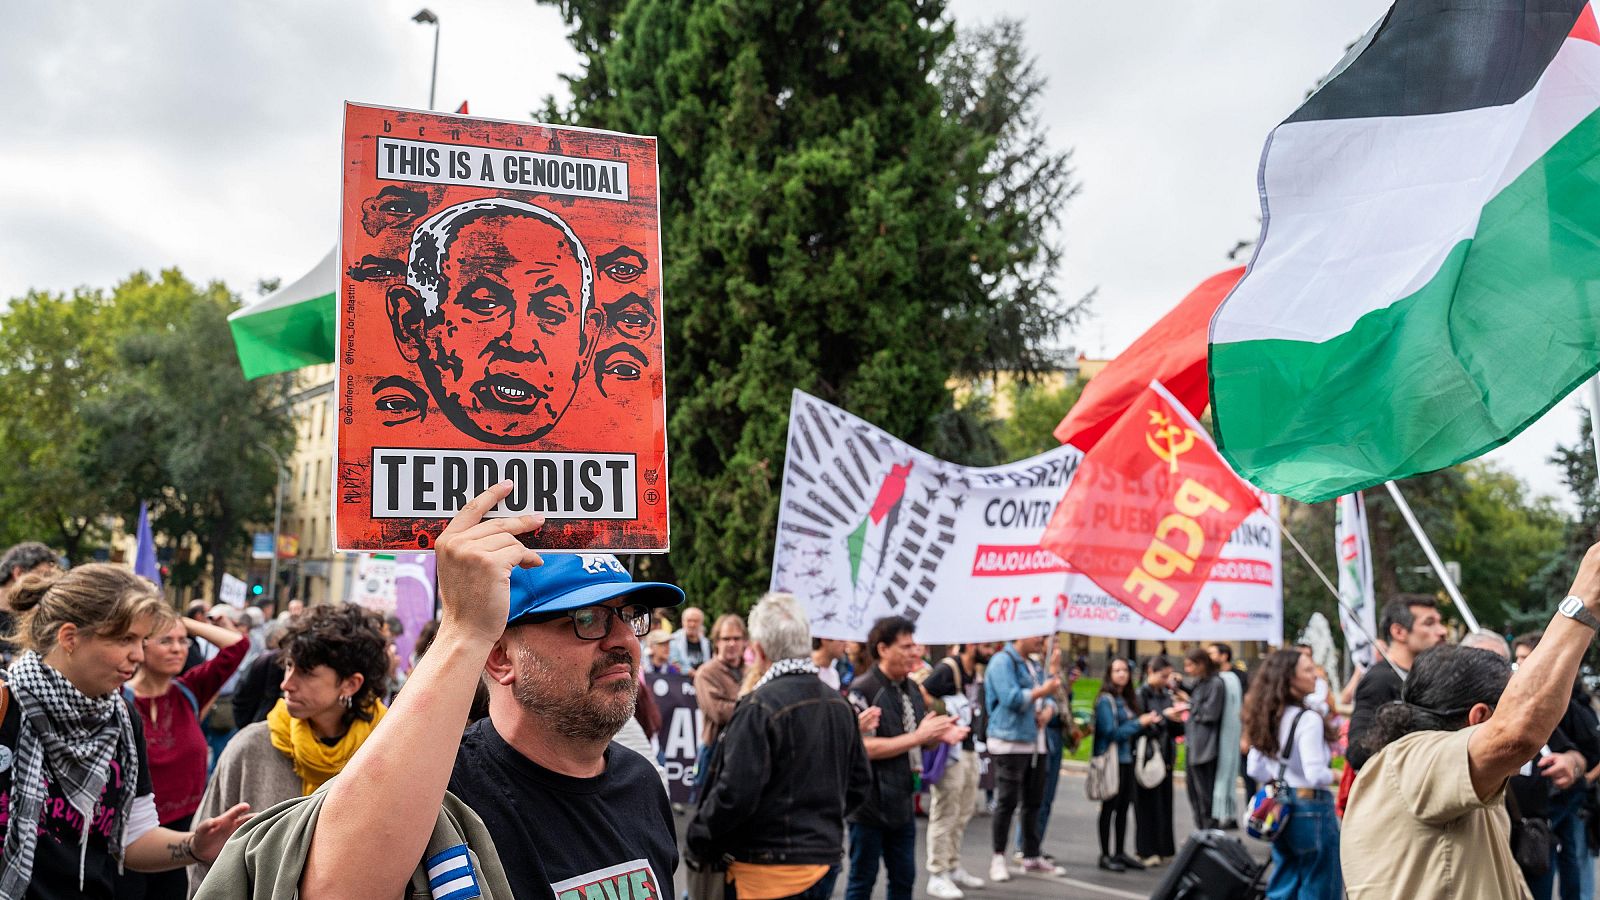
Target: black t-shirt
pixel 55 855
pixel 610 837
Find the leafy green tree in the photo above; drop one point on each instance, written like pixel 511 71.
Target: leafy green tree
pixel 1036 410
pixel 832 222
pixel 1476 513
pixel 180 426
pixel 1577 464
pixel 53 360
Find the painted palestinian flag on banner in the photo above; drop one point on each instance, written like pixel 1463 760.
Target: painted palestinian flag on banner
pixel 1427 282
pixel 291 328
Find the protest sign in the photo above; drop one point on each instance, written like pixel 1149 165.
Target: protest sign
pixel 375 582
pixel 678 742
pixel 413 600
pixel 499 318
pixel 869 526
pixel 232 591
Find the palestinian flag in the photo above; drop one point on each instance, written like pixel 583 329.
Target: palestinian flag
pixel 1427 282
pixel 291 328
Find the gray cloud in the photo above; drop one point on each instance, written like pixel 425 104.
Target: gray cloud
pixel 152 133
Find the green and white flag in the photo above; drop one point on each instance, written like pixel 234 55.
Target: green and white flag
pixel 1427 282
pixel 291 328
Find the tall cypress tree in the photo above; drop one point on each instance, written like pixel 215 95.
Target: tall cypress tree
pixel 818 233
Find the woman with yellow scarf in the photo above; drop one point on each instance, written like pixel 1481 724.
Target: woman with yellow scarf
pixel 336 664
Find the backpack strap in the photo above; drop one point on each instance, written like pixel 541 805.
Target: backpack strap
pixel 194 702
pixel 955 669
pixel 127 695
pixel 5 699
pixel 1283 758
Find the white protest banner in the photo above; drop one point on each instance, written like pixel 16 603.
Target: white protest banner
pixel 375 583
pixel 232 591
pixel 1358 606
pixel 869 526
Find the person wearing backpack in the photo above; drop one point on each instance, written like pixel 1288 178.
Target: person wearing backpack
pixel 1289 743
pixel 1018 699
pixel 169 701
pixel 1118 717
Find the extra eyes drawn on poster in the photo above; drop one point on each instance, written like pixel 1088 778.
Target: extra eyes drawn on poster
pixel 499 318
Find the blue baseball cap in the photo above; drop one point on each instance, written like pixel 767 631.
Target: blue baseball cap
pixel 575 580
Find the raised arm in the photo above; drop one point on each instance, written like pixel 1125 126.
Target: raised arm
pixel 216 635
pixel 1537 695
pixel 380 812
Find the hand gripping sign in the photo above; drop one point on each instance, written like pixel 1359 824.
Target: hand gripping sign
pixel 1156 458
pixel 499 318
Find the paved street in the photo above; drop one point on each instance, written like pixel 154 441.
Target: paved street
pixel 1071 838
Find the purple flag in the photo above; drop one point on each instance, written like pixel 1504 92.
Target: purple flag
pixel 144 559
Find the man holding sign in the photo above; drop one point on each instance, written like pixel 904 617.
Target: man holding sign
pixel 558 639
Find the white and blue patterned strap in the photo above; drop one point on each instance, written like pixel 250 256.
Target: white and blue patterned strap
pixel 451 876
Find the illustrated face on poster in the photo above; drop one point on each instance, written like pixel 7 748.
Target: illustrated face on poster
pixel 498 314
pixel 500 318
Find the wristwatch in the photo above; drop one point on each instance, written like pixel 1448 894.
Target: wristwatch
pixel 1573 608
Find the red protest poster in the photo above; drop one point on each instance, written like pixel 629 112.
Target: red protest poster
pixel 499 317
pixel 1149 510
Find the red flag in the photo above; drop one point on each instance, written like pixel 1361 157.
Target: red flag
pixel 1149 510
pixel 462 109
pixel 1172 352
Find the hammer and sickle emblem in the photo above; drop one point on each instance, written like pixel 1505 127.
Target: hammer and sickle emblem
pixel 1168 440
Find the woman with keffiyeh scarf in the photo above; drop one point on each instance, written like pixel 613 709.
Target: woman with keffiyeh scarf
pixel 77 800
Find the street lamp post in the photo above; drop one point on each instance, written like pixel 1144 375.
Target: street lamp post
pixel 426 17
pixel 277 523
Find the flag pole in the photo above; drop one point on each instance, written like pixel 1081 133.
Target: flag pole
pixel 1433 556
pixel 1377 646
pixel 1593 388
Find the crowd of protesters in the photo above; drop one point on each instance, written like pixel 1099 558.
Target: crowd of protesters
pixel 1469 768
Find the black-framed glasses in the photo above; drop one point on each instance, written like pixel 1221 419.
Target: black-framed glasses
pixel 591 623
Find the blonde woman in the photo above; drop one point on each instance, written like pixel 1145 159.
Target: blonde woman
pixel 79 802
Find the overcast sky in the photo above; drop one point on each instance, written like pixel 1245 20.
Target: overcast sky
pixel 146 134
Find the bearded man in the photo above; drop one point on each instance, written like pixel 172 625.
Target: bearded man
pixel 571 814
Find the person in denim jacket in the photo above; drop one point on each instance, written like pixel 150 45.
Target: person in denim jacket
pixel 1018 699
pixel 1118 718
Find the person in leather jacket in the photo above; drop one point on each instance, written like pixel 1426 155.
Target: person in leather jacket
pixel 787 769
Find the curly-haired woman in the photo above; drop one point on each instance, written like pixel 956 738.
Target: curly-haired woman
pixel 336 665
pixel 1287 736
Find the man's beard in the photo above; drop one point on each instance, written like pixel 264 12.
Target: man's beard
pixel 577 712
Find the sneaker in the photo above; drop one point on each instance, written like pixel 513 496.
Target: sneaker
pixel 1150 862
pixel 1038 865
pixel 1016 857
pixel 1111 865
pixel 940 887
pixel 965 879
pixel 997 869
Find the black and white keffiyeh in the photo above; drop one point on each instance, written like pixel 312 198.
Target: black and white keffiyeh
pixel 798 665
pixel 71 739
